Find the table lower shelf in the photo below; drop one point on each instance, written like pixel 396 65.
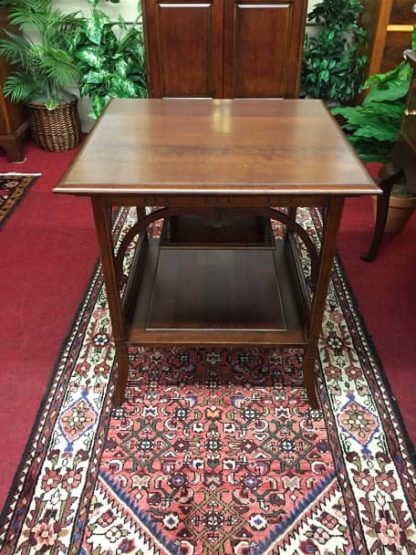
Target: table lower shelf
pixel 215 296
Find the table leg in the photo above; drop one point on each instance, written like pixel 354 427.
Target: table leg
pixel 386 185
pixel 330 232
pixel 291 212
pixel 102 216
pixel 141 212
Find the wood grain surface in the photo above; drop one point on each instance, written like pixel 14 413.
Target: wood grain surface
pixel 188 146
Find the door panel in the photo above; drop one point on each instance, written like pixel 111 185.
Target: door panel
pixel 396 43
pixel 403 12
pixel 224 48
pixel 184 48
pixel 262 48
pixel 261 28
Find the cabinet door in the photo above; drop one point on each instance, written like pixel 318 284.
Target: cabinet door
pixel 399 32
pixel 397 41
pixel 184 47
pixel 403 12
pixel 262 47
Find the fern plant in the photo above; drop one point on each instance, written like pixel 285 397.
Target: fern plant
pixel 333 62
pixel 110 58
pixel 43 68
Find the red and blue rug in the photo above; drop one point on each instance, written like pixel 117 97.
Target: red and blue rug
pixel 13 187
pixel 216 451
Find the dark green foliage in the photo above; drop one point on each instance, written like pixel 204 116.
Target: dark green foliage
pixel 109 57
pixel 43 68
pixel 332 61
pixel 373 126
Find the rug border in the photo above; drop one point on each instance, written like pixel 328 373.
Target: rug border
pixel 360 321
pixel 377 359
pixel 36 177
pixel 94 274
pixel 44 400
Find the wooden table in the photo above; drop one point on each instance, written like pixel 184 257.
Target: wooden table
pixel 216 169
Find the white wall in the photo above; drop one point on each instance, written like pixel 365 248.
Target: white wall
pixel 127 8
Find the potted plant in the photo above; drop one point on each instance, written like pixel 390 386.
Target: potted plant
pixel 333 62
pixel 373 129
pixel 43 71
pixel 110 58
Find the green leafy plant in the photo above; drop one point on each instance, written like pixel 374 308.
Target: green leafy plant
pixel 373 126
pixel 110 58
pixel 43 68
pixel 333 62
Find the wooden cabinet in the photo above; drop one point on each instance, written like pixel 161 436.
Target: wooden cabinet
pixel 389 24
pixel 405 153
pixel 13 124
pixel 224 48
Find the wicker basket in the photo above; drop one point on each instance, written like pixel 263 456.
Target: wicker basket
pixel 58 129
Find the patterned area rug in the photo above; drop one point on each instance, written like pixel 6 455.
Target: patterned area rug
pixel 13 187
pixel 216 451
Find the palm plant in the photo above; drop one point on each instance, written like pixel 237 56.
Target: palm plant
pixel 43 67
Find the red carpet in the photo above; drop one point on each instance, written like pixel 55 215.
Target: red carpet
pixel 386 295
pixel 39 298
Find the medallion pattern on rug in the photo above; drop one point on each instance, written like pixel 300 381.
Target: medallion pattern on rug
pixel 216 451
pixel 12 189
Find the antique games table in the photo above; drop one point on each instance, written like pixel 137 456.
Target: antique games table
pixel 214 172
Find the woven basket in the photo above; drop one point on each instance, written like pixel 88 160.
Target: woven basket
pixel 58 129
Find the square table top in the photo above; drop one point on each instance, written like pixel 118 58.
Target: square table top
pixel 221 147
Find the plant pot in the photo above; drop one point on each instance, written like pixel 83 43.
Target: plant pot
pixel 55 130
pixel 399 213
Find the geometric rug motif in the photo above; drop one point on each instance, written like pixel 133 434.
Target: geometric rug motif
pixel 216 451
pixel 13 187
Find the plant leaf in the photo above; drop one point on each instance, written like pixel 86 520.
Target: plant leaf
pixel 92 56
pixel 94 26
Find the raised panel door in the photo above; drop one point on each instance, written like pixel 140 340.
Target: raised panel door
pixel 403 12
pixel 184 48
pixel 396 43
pixel 389 25
pixel 263 44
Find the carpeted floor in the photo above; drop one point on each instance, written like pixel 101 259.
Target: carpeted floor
pixel 216 451
pixel 13 187
pixel 48 250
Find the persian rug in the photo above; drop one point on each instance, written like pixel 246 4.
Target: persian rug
pixel 216 451
pixel 13 187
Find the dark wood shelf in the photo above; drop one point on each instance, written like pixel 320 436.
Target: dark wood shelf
pixel 216 296
pixel 220 229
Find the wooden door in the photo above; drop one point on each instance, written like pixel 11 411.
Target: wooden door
pixel 389 25
pixel 184 46
pixel 262 47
